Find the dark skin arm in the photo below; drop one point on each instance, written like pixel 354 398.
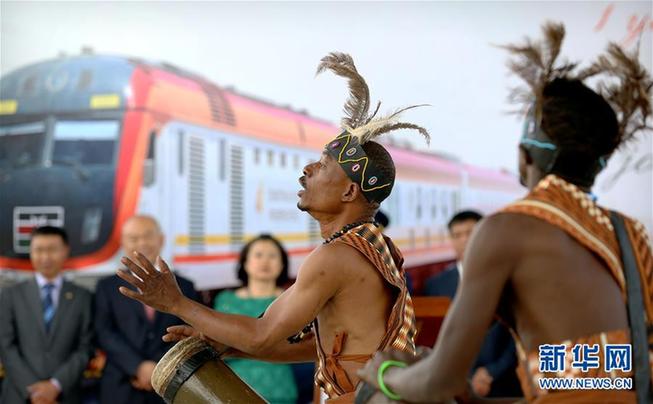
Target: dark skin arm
pixel 317 282
pixel 442 374
pixel 283 352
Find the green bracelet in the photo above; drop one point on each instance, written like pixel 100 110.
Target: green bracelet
pixel 379 378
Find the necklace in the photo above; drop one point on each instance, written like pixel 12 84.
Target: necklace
pixel 346 228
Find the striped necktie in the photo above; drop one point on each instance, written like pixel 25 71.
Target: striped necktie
pixel 48 305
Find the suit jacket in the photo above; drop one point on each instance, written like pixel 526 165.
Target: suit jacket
pixel 444 283
pixel 29 354
pixel 129 338
pixel 497 354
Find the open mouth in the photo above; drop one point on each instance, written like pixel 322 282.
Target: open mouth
pixel 302 182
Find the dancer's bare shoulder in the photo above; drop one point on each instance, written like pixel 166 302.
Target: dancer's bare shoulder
pixel 333 260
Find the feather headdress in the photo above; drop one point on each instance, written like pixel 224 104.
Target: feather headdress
pixel 625 84
pixel 359 127
pixel 357 121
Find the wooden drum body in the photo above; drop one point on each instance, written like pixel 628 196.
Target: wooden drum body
pixel 192 373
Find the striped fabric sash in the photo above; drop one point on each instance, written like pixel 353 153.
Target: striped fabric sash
pixel 564 205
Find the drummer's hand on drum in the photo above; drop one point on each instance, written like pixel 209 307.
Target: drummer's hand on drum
pixel 156 288
pixel 179 332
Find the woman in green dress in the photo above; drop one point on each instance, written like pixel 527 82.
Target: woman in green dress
pixel 263 268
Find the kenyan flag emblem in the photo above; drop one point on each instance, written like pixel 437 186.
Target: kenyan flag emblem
pixel 26 218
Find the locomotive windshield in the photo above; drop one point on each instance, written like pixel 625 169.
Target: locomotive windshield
pixel 72 142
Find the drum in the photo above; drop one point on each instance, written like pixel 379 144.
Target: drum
pixel 192 373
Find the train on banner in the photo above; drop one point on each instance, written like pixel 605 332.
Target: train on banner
pixel 90 140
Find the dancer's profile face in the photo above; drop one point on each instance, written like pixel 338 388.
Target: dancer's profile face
pixel 324 183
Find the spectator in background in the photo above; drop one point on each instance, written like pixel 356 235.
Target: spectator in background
pixel 263 268
pixel 128 331
pixel 460 228
pixel 493 373
pixel 46 329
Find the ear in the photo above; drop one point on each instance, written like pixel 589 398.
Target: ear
pixel 351 192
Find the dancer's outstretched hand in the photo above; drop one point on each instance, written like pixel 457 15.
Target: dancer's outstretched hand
pixel 155 288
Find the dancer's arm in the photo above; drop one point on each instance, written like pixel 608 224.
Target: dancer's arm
pixel 317 282
pixel 283 351
pixel 442 374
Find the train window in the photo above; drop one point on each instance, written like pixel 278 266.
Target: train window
pixel 434 204
pixel 419 203
pixel 282 160
pixel 222 159
pixel 445 205
pixel 84 142
pixel 148 163
pixel 180 149
pixel 151 151
pixel 21 145
pixel 295 162
pixel 257 155
pixel 270 157
pixel 455 201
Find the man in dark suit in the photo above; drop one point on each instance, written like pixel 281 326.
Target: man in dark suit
pixel 493 373
pixel 46 330
pixel 128 331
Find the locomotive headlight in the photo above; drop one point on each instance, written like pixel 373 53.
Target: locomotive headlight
pixel 91 225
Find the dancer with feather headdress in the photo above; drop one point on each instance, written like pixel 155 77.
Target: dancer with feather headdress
pixel 560 270
pixel 351 291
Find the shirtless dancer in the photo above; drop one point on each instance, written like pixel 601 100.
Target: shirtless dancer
pixel 549 264
pixel 351 290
